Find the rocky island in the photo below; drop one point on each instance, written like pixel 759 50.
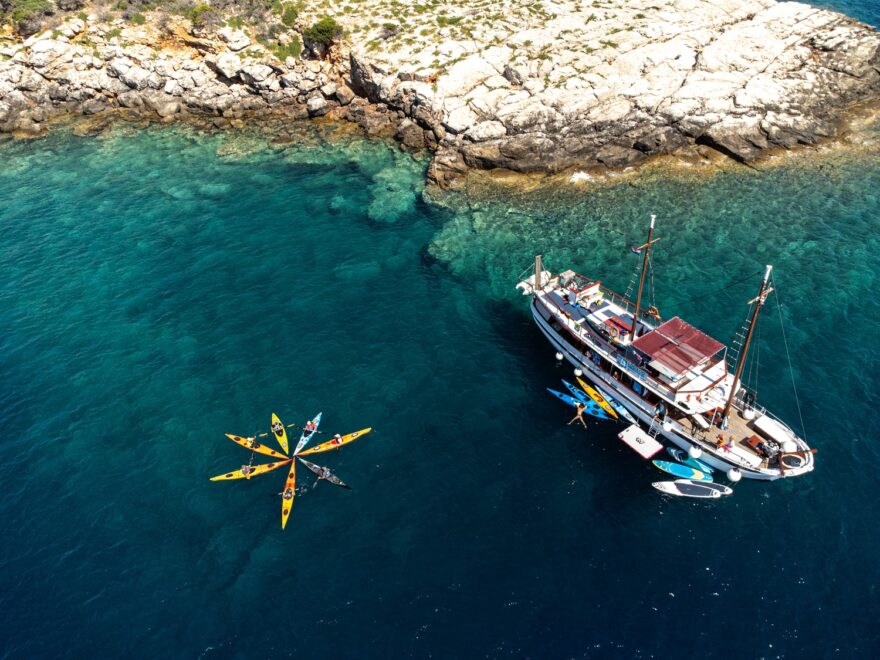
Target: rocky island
pixel 526 86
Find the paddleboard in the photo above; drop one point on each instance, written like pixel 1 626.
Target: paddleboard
pixel 336 443
pixel 619 409
pixel 287 504
pixel 590 407
pixel 683 471
pixel 253 445
pixel 258 469
pixel 686 489
pixel 683 457
pixel 279 432
pixel 721 488
pixel 332 478
pixel 305 437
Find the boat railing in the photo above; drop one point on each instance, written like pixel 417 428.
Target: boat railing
pixel 633 371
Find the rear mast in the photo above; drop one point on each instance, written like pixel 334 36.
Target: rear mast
pixel 759 303
pixel 647 248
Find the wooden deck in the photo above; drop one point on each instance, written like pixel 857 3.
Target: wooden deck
pixel 739 430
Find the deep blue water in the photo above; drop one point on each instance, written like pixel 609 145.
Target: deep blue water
pixel 161 288
pixel 867 11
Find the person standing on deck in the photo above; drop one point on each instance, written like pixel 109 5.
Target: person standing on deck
pixel 579 417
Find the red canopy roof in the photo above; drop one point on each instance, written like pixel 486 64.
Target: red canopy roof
pixel 677 345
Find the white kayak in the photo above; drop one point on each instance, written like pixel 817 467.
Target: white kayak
pixel 688 488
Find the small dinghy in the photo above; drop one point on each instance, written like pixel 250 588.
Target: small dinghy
pixel 687 488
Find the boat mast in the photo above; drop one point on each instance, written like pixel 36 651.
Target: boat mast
pixel 539 270
pixel 759 302
pixel 647 248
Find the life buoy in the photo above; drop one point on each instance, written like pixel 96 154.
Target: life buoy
pixel 614 332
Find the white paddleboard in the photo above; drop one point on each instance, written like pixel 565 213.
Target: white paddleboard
pixel 686 488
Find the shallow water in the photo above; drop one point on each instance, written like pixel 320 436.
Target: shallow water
pixel 161 288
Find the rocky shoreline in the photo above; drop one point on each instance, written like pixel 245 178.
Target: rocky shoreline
pixel 739 79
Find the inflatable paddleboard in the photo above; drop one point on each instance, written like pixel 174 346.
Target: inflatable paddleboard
pixel 721 488
pixel 683 471
pixel 683 457
pixel 685 488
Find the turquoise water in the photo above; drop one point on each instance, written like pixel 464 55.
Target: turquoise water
pixel 161 288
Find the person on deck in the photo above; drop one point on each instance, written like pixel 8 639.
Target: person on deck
pixel 579 417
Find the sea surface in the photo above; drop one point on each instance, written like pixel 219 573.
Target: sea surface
pixel 161 288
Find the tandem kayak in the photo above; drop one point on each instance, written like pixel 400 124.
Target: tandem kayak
pixel 590 407
pixel 611 401
pixel 306 435
pixel 257 469
pixel 336 443
pixel 253 445
pixel 289 488
pixel 317 469
pixel 279 432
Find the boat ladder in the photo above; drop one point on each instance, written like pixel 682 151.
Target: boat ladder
pixel 654 429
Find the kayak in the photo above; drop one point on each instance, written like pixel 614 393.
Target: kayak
pixel 336 443
pixel 253 445
pixel 685 459
pixel 290 484
pixel 683 471
pixel 593 409
pixel 258 469
pixel 618 408
pixel 598 398
pixel 279 431
pixel 305 437
pixel 317 469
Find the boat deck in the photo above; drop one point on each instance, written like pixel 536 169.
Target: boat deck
pixel 738 431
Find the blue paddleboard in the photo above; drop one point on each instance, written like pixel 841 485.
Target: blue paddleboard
pixel 683 471
pixel 684 458
pixel 593 410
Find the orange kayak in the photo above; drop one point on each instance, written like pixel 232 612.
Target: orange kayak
pixel 257 469
pixel 289 487
pixel 335 443
pixel 253 445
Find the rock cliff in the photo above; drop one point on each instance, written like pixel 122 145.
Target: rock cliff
pixel 531 87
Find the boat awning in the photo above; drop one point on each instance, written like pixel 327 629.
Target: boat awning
pixel 676 346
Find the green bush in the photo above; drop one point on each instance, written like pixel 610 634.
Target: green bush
pixel 324 31
pixel 288 15
pixel 292 49
pixel 138 19
pixel 25 9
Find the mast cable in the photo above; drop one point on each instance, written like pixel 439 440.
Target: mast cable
pixel 790 368
pixel 679 303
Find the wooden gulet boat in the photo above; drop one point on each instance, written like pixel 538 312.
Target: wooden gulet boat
pixel 672 377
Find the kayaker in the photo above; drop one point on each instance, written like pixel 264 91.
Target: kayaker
pixel 579 417
pixel 252 443
pixel 247 469
pixel 310 427
pixel 325 473
pixel 277 428
pixel 337 439
pixel 287 494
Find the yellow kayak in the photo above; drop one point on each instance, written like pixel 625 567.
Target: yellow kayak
pixel 279 432
pixel 335 443
pixel 598 398
pixel 289 489
pixel 255 470
pixel 253 445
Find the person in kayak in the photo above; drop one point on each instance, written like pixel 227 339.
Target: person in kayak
pixel 252 443
pixel 579 417
pixel 310 427
pixel 246 470
pixel 287 494
pixel 277 428
pixel 337 440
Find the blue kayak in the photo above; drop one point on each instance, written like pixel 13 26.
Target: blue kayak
pixel 683 471
pixel 684 458
pixel 593 409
